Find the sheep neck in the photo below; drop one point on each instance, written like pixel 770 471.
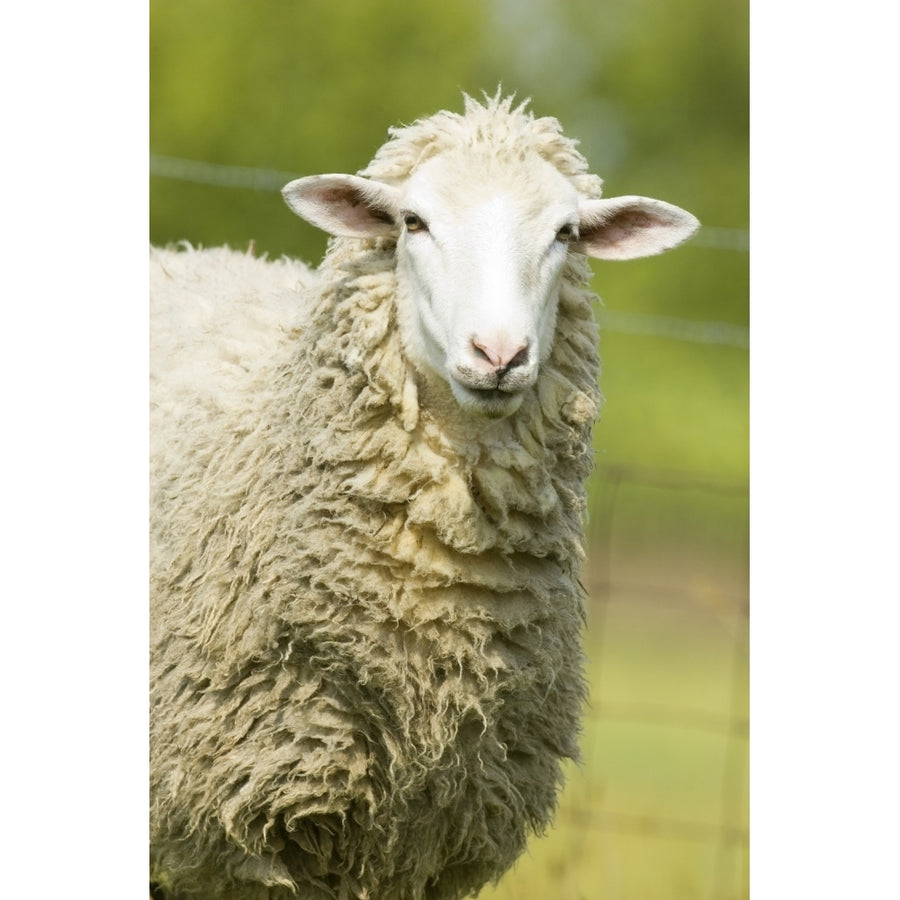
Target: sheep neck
pixel 396 439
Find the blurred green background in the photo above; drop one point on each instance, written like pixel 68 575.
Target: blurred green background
pixel 244 96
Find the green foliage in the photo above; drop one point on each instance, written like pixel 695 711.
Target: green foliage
pixel 299 87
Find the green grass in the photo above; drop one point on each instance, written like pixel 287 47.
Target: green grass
pixel 674 405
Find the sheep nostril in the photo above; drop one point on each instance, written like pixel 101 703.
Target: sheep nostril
pixel 520 359
pixel 481 353
pixel 501 357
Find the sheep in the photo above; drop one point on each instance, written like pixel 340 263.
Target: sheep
pixel 367 500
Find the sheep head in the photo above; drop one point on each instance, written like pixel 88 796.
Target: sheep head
pixel 481 243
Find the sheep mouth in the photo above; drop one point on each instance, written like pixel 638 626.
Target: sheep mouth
pixel 490 402
pixel 501 383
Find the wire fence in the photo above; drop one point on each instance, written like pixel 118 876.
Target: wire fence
pixel 668 327
pixel 261 179
pixel 632 589
pixel 199 172
pixel 694 331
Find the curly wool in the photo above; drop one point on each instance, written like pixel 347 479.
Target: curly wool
pixel 366 659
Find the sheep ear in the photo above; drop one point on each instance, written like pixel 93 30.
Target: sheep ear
pixel 344 205
pixel 631 227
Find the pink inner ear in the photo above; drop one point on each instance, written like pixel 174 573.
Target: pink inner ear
pixel 625 224
pixel 339 200
pixel 352 208
pixel 343 205
pixel 340 196
pixel 632 227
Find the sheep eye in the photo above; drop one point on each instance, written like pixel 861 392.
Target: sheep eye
pixel 414 223
pixel 567 234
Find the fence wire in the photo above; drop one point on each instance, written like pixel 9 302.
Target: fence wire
pixel 668 327
pixel 199 172
pixel 260 179
pixel 614 589
pixel 694 331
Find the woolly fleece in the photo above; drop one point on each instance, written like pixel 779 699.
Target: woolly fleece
pixel 366 657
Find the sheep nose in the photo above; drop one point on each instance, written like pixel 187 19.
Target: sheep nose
pixel 502 355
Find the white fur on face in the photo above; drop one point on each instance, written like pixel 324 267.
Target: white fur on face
pixel 479 259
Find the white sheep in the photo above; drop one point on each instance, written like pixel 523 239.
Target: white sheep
pixel 367 500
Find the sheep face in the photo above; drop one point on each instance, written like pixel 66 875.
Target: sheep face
pixel 479 259
pixel 481 243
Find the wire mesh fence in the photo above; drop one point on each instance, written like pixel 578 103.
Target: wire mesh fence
pixel 659 806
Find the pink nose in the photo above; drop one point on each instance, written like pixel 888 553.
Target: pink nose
pixel 502 355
